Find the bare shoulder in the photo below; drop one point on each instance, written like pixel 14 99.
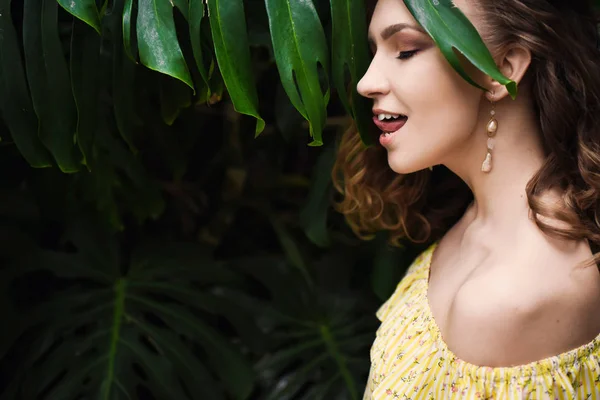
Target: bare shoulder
pixel 538 304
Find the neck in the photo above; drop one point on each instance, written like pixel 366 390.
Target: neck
pixel 517 156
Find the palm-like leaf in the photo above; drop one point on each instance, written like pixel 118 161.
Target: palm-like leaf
pixel 319 335
pixel 110 334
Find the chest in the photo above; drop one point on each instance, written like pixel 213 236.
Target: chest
pixel 449 272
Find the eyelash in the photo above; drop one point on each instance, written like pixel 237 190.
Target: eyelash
pixel 405 55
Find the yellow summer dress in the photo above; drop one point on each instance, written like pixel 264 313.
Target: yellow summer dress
pixel 409 359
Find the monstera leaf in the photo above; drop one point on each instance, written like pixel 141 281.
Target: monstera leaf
pixel 450 29
pixel 319 322
pixel 121 327
pixel 319 337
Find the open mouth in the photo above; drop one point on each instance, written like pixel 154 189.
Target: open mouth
pixel 390 124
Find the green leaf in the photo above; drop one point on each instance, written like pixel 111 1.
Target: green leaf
pixel 232 368
pixel 127 11
pixel 196 15
pixel 159 369
pixel 228 26
pixel 85 10
pixel 300 46
pixel 123 101
pixel 118 313
pixel 91 341
pixel 49 82
pixel 241 321
pixel 201 384
pixel 350 53
pixel 182 5
pixel 451 29
pixel 157 40
pixel 15 103
pixel 123 72
pixel 85 58
pixel 334 352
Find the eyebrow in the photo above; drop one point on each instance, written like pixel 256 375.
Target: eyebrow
pixel 393 29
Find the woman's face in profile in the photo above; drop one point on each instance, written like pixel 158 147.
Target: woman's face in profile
pixel 410 76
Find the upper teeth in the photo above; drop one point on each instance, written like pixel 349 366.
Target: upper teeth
pixel 387 116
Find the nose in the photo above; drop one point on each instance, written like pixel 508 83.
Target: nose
pixel 373 83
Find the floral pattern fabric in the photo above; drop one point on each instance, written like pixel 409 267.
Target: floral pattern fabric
pixel 410 360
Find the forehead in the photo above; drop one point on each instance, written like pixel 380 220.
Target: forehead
pixel 388 14
pixel 385 13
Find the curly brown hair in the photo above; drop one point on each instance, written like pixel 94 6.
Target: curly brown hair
pixel 563 40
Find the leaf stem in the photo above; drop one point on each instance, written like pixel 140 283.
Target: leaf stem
pixel 118 312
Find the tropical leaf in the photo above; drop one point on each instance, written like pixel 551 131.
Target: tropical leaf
pixel 50 83
pixel 451 29
pixel 350 56
pixel 182 6
pixel 96 340
pixel 85 10
pixel 300 47
pixel 123 70
pixel 196 16
pixel 157 40
pixel 85 79
pixel 15 103
pixel 228 26
pixel 315 330
pixel 128 38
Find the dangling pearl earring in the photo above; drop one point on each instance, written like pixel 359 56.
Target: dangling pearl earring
pixel 492 128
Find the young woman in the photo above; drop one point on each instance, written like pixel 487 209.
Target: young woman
pixel 504 303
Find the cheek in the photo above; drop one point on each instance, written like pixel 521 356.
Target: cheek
pixel 443 111
pixel 442 102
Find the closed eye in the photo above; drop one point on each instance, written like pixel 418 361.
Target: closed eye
pixel 404 55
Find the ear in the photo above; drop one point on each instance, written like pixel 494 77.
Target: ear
pixel 513 63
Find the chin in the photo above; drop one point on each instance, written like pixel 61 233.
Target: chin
pixel 403 167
